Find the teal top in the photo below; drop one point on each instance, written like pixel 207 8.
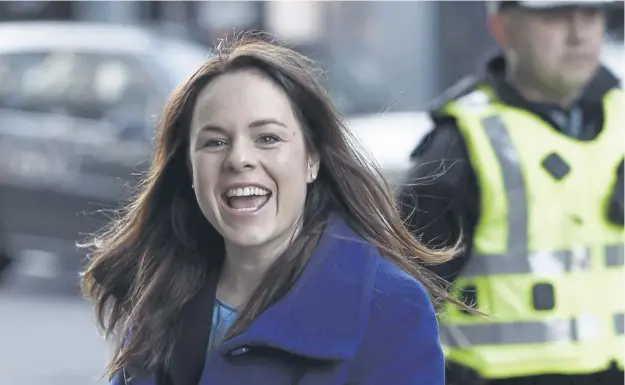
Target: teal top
pixel 224 316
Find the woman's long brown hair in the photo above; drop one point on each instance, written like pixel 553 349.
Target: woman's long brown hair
pixel 158 252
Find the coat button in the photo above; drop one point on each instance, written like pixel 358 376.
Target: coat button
pixel 239 351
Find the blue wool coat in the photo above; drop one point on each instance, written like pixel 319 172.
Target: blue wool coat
pixel 351 318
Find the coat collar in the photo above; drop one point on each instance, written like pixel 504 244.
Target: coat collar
pixel 324 314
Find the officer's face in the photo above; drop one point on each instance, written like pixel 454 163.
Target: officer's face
pixel 559 48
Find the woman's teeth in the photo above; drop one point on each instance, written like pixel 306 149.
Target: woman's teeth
pixel 246 199
pixel 246 191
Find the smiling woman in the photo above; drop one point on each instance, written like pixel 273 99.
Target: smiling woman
pixel 262 247
pixel 246 139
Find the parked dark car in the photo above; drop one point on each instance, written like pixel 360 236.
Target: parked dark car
pixel 78 107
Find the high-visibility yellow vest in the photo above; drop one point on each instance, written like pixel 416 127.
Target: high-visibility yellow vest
pixel 547 265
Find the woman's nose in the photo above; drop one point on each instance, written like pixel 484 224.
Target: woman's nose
pixel 240 157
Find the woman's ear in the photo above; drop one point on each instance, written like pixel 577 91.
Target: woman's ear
pixel 313 168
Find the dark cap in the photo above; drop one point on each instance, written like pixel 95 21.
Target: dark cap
pixel 496 6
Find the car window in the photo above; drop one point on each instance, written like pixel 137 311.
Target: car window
pixel 86 85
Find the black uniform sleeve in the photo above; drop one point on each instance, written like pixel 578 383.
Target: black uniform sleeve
pixel 439 197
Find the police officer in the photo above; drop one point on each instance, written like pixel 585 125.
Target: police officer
pixel 525 167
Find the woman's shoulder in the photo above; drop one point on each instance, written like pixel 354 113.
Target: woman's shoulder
pixel 401 341
pixel 394 285
pixel 395 299
pixel 389 282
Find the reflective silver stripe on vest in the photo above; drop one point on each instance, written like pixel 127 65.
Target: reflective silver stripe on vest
pixel 586 328
pixel 614 256
pixel 619 324
pixel 464 336
pixel 517 259
pixel 550 262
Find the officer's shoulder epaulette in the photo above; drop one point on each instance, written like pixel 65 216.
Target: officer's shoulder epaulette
pixel 464 87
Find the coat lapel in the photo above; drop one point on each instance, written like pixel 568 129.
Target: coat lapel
pixel 322 317
pixel 195 329
pixel 324 314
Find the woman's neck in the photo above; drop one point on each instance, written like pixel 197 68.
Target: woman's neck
pixel 244 269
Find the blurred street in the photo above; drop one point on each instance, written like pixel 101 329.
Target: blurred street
pixel 83 85
pixel 53 334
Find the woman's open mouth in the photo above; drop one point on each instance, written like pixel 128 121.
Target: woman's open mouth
pixel 247 199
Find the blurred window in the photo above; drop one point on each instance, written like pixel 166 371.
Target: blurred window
pixel 614 23
pixel 112 88
pixel 379 56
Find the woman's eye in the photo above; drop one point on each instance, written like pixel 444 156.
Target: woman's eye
pixel 215 143
pixel 268 139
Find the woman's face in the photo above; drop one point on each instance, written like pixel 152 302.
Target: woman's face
pixel 249 160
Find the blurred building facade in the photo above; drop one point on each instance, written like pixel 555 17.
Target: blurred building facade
pixel 372 50
pixel 379 55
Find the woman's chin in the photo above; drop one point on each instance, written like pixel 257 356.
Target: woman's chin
pixel 249 236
